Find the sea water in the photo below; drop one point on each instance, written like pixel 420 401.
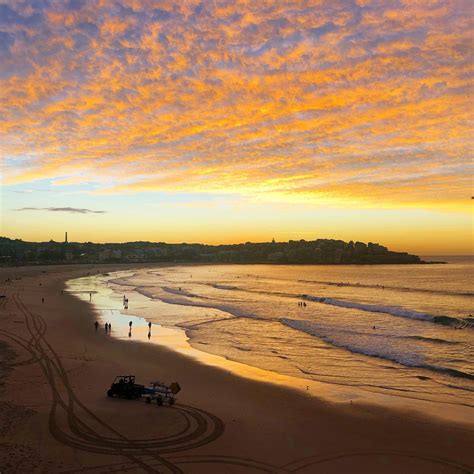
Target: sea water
pixel 406 330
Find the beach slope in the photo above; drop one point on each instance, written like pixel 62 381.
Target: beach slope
pixel 55 415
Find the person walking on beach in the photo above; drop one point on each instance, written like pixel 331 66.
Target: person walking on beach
pixel 130 325
pixel 106 327
pixel 90 296
pixel 96 324
pixel 149 325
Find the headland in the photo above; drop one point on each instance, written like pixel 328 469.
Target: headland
pixel 314 252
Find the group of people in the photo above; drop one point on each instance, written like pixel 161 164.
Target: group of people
pixel 108 326
pixel 302 303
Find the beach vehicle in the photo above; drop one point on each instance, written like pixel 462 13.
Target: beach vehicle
pixel 124 386
pixel 161 393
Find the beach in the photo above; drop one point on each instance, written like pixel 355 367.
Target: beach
pixel 56 417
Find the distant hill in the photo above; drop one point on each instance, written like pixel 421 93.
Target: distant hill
pixel 319 251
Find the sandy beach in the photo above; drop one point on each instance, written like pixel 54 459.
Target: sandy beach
pixel 55 415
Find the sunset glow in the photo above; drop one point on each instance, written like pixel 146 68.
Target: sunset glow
pixel 230 121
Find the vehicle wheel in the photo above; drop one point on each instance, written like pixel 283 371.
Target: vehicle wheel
pixel 159 400
pixel 171 401
pixel 148 400
pixel 110 393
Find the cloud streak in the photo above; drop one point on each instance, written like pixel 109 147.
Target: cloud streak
pixel 270 100
pixel 72 210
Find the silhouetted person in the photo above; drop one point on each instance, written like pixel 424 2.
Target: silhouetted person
pixel 149 325
pixel 90 296
pixel 106 327
pixel 130 325
pixel 42 300
pixel 110 327
pixel 96 324
pixel 304 304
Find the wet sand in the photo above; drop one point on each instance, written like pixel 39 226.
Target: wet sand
pixel 55 415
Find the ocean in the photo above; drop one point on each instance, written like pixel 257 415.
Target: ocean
pixel 406 330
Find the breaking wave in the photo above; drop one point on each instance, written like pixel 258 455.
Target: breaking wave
pixel 408 360
pixel 393 310
pixel 428 339
pixel 224 287
pixel 390 287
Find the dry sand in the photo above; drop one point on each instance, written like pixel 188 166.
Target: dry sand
pixel 55 415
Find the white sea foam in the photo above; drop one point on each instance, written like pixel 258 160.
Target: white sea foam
pixel 382 351
pixel 233 311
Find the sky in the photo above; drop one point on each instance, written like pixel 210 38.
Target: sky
pixel 221 121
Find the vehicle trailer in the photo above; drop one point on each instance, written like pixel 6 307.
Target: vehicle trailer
pixel 161 393
pixel 124 386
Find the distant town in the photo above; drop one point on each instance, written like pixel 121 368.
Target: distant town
pixel 319 251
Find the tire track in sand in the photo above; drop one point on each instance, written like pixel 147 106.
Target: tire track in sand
pixel 86 431
pixel 89 433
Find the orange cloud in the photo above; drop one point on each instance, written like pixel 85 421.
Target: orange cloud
pixel 272 100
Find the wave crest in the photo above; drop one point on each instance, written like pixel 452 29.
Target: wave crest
pixel 403 359
pixel 393 310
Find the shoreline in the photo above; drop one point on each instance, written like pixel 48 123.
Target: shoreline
pixel 176 339
pixel 204 263
pixel 253 426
